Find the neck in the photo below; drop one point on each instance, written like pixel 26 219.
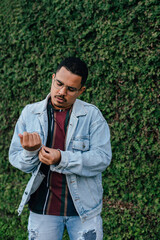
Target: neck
pixel 60 108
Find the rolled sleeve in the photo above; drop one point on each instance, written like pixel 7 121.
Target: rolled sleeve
pixel 62 164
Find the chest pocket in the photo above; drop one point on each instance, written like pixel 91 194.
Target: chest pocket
pixel 80 145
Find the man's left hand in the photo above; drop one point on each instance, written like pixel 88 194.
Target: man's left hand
pixel 49 156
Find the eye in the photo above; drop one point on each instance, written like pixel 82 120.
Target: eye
pixel 71 89
pixel 59 83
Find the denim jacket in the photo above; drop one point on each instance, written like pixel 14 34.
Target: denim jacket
pixel 87 154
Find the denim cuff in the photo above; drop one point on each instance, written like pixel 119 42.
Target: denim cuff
pixel 27 153
pixel 62 164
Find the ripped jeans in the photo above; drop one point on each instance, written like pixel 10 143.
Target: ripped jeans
pixel 49 227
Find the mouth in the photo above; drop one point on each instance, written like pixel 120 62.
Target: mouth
pixel 60 99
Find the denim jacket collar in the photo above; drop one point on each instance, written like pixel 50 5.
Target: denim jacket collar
pixel 78 107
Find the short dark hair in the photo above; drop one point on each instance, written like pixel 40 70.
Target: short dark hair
pixel 75 66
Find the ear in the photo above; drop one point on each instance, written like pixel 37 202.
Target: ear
pixel 53 75
pixel 82 90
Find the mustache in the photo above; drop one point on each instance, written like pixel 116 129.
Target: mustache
pixel 60 96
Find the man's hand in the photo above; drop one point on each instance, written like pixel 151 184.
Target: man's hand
pixel 49 156
pixel 30 141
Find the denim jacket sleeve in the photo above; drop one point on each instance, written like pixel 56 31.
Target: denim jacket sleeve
pixel 90 156
pixel 19 157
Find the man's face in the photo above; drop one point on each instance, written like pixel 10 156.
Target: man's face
pixel 63 95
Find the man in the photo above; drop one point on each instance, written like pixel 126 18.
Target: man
pixel 65 143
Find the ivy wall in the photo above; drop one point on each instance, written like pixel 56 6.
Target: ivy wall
pixel 119 40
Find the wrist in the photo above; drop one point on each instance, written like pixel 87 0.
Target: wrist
pixel 58 155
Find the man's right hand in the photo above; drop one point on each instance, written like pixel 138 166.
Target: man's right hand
pixel 30 141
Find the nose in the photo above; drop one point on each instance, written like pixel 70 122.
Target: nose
pixel 63 91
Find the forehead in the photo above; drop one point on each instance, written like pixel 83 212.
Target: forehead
pixel 68 78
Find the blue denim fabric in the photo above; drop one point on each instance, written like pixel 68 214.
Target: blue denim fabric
pixel 47 227
pixel 87 154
